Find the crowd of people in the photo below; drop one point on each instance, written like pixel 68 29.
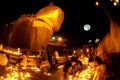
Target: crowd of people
pixel 79 62
pixel 106 65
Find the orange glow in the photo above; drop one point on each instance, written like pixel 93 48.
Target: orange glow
pixel 59 39
pixel 117 1
pixel 52 15
pixel 96 3
pixel 111 42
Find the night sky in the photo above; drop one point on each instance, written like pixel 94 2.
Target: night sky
pixel 77 13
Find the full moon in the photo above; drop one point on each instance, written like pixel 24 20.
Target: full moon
pixel 87 27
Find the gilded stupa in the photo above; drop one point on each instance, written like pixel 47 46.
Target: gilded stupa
pixel 33 31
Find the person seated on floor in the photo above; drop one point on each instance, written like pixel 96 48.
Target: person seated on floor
pixel 72 66
pixel 45 65
pixel 78 66
pixel 91 62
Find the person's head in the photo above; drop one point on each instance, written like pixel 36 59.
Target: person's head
pixel 73 63
pixel 91 62
pixel 78 65
pixel 91 59
pixel 79 62
pixel 82 55
pixel 56 52
pixel 98 60
pixel 73 60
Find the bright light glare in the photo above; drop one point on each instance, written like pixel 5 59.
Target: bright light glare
pixel 97 40
pixel 115 4
pixel 96 3
pixel 117 1
pixel 89 41
pixel 60 39
pixel 53 37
